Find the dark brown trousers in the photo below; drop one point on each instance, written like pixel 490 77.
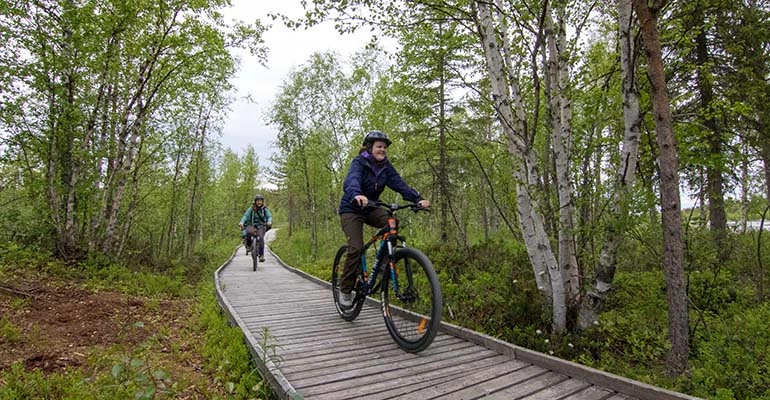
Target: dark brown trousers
pixel 353 226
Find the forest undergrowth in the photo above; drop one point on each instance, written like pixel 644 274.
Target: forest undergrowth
pixel 97 330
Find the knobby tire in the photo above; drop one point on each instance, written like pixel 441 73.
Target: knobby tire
pixel 254 255
pixel 348 314
pixel 413 321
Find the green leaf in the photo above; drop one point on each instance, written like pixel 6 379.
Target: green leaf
pixel 137 363
pixel 160 374
pixel 117 369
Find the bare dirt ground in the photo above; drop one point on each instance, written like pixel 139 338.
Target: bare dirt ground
pixel 56 326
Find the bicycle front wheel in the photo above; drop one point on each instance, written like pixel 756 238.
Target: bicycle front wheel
pixel 411 304
pixel 254 256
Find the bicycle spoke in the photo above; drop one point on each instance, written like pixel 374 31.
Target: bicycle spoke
pixel 347 314
pixel 413 312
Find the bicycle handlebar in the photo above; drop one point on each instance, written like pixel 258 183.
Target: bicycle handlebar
pixel 396 206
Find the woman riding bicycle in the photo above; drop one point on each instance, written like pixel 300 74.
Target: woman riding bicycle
pixel 367 177
pixel 255 222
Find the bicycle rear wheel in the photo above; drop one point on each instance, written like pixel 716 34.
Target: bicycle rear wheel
pixel 348 314
pixel 413 314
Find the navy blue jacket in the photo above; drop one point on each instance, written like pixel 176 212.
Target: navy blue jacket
pixel 368 178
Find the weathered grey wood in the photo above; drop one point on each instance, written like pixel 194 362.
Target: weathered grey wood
pixel 388 356
pixel 559 390
pixel 346 372
pixel 320 343
pixel 442 372
pixel 312 353
pixel 331 355
pixel 481 383
pixel 590 393
pixel 394 376
pixel 530 386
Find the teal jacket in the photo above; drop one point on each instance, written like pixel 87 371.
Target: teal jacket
pixel 258 218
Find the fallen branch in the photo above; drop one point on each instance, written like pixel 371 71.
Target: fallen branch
pixel 15 292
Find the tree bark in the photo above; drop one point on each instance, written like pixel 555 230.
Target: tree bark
pixel 676 291
pixel 443 179
pixel 714 179
pixel 625 176
pixel 507 98
pixel 561 132
pixel 764 150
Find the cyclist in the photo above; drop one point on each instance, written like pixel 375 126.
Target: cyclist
pixel 367 177
pixel 256 221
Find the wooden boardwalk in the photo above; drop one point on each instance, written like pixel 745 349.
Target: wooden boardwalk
pixel 307 351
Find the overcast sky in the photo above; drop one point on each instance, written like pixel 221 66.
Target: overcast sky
pixel 287 49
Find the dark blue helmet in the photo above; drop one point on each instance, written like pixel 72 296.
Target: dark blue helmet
pixel 374 136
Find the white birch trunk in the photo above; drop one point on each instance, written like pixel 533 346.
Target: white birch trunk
pixel 625 176
pixel 124 165
pixel 506 96
pixel 561 129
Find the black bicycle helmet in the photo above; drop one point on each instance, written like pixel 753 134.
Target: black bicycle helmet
pixel 374 136
pixel 259 197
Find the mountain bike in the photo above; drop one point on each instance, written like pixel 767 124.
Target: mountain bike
pixel 255 250
pixel 252 243
pixel 411 299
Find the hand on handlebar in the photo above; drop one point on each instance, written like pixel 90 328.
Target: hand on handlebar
pixel 424 203
pixel 361 200
pixel 240 226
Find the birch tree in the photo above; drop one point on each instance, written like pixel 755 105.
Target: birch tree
pixel 88 86
pixel 558 78
pixel 316 127
pixel 510 110
pixel 624 176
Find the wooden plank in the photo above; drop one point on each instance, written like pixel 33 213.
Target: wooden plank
pixel 297 318
pixel 527 387
pixel 294 320
pixel 318 323
pixel 560 390
pixel 347 372
pixel 590 393
pixel 255 311
pixel 482 383
pixel 319 365
pixel 315 343
pixel 358 333
pixel 390 385
pixel 356 351
pixel 361 329
pixel 449 371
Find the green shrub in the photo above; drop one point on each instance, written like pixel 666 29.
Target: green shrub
pixel 226 356
pixel 733 358
pixel 22 385
pixel 8 332
pixel 630 337
pixel 501 272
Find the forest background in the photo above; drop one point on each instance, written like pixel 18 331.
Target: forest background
pixel 555 140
